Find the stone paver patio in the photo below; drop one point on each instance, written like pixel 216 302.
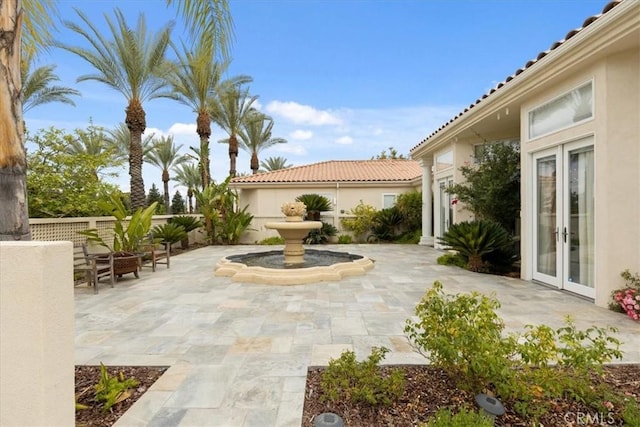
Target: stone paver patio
pixel 238 353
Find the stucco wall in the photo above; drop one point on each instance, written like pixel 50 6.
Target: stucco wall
pixel 265 203
pixel 37 333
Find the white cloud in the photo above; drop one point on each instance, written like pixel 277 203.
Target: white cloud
pixel 301 135
pixel 344 140
pixel 182 129
pixel 305 114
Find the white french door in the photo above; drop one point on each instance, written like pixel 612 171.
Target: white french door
pixel 563 235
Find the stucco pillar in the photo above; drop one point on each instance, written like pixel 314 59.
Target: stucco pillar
pixel 36 334
pixel 427 196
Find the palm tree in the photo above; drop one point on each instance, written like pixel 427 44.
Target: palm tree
pixel 37 87
pixel 165 156
pixel 188 175
pixel 229 110
pixel 208 17
pixel 274 164
pixel 255 136
pixel 129 63
pixel 194 79
pixel 93 142
pixel 119 139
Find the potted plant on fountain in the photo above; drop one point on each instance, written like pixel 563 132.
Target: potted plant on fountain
pixel 316 204
pixel 127 234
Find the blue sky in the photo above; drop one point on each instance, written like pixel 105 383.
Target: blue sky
pixel 343 79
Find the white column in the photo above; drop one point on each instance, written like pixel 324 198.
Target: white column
pixel 427 208
pixel 37 334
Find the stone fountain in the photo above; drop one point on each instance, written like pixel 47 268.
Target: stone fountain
pixel 291 266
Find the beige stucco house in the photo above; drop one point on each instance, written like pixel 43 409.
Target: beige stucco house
pixel 575 110
pixel 344 182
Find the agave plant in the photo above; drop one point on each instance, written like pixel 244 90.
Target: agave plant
pixel 475 239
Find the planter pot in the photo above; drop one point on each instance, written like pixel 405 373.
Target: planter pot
pixel 124 263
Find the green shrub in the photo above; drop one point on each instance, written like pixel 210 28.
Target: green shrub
pixel 273 240
pixel 474 240
pixel 345 239
pixel 464 418
pixel 346 379
pixel 113 389
pixel 463 335
pixel 189 223
pixel 170 232
pixel 409 205
pixel 452 259
pixel 386 224
pixel 321 235
pixel 410 237
pixel 362 222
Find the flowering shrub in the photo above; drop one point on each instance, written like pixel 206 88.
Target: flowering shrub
pixel 294 209
pixel 628 298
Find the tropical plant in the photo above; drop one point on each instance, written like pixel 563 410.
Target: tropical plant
pixel 255 136
pixel 187 174
pixel 386 224
pixel 189 223
pixel 127 232
pixel 165 155
pixel 113 389
pixel 315 203
pixel 131 63
pixel 491 188
pixel 321 235
pixel 274 163
pixel 38 88
pixel 229 110
pixel 195 78
pixel 474 240
pixel 119 140
pixel 230 229
pixel 169 232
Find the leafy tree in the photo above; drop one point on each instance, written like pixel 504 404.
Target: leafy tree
pixel 131 63
pixel 393 155
pixel 177 203
pixel 38 87
pixel 410 206
pixel 274 163
pixel 492 187
pixel 155 196
pixel 64 184
pixel 229 110
pixel 164 154
pixel 255 136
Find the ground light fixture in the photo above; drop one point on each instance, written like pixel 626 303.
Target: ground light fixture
pixel 491 406
pixel 328 419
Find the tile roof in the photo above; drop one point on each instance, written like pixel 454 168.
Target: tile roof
pixel 341 171
pixel 528 65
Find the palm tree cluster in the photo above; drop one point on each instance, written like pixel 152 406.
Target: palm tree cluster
pixel 134 61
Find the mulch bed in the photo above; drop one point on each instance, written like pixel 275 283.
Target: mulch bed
pixel 429 389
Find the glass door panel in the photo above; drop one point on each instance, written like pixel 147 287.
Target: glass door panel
pixel 546 221
pixel 579 230
pixel 446 209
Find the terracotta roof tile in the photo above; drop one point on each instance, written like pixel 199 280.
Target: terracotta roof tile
pixel 341 171
pixel 529 64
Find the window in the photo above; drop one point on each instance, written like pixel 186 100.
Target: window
pixel 389 200
pixel 567 110
pixel 444 161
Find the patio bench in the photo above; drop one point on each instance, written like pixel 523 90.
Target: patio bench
pixel 87 268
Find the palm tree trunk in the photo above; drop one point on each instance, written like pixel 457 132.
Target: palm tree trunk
pixel 255 164
pixel 190 198
pixel 233 155
pixel 203 127
pixel 14 213
pixel 136 123
pixel 165 183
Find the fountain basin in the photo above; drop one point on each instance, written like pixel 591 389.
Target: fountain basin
pixel 269 268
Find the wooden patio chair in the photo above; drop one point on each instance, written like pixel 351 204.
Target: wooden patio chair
pixel 154 253
pixel 87 268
